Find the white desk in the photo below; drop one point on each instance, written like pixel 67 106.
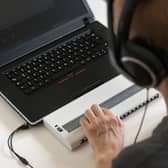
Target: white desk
pixel 44 151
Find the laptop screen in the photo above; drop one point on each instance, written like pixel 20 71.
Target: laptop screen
pixel 22 20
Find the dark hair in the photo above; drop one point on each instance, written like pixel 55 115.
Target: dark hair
pixel 149 22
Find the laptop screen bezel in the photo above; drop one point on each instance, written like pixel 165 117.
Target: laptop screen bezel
pixel 47 37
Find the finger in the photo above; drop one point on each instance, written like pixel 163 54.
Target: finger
pixel 97 110
pixel 90 115
pixel 109 113
pixel 112 119
pixel 84 122
pixel 113 129
pixel 85 125
pixel 120 121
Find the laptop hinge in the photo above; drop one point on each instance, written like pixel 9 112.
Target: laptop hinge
pixel 87 21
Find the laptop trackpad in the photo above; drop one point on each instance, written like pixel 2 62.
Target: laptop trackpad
pixel 80 82
pixel 87 88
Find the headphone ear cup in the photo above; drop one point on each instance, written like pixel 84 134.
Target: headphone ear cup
pixel 141 64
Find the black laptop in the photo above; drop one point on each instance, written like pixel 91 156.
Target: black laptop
pixel 51 52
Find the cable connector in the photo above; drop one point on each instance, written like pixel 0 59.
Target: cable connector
pixel 24 126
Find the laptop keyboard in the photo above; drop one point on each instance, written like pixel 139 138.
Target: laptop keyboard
pixel 58 61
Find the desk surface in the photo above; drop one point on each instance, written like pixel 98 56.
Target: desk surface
pixel 43 150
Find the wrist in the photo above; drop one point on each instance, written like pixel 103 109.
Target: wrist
pixel 103 162
pixel 108 155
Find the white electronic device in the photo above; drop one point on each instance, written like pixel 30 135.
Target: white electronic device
pixel 118 94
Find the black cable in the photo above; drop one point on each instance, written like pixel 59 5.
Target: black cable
pixel 11 148
pixel 143 117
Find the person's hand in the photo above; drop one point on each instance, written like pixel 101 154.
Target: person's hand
pixel 105 132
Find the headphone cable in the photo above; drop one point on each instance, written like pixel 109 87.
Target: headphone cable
pixel 11 148
pixel 143 117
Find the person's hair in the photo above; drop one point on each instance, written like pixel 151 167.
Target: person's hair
pixel 150 21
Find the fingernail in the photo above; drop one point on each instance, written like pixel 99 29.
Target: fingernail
pixel 93 105
pixel 118 116
pixel 98 106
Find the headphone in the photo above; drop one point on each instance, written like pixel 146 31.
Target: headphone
pixel 141 62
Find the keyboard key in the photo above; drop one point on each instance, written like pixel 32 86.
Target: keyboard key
pixel 77 58
pixel 47 81
pixel 82 62
pixel 35 74
pixel 41 84
pixel 42 77
pixel 53 60
pixel 16 72
pixel 15 79
pixel 23 87
pixel 36 80
pixel 58 56
pixel 18 84
pixel 93 56
pixel 29 77
pixel 72 62
pixel 23 75
pixel 54 70
pixel 65 64
pixel 10 75
pixel 30 83
pixel 60 67
pixel 27 91
pixel 88 59
pixel 33 88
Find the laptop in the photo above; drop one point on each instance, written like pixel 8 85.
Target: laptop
pixel 52 53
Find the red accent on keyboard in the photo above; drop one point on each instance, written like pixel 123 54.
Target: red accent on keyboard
pixel 63 80
pixel 80 72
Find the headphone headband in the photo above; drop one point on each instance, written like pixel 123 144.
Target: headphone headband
pixel 126 19
pixel 124 23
